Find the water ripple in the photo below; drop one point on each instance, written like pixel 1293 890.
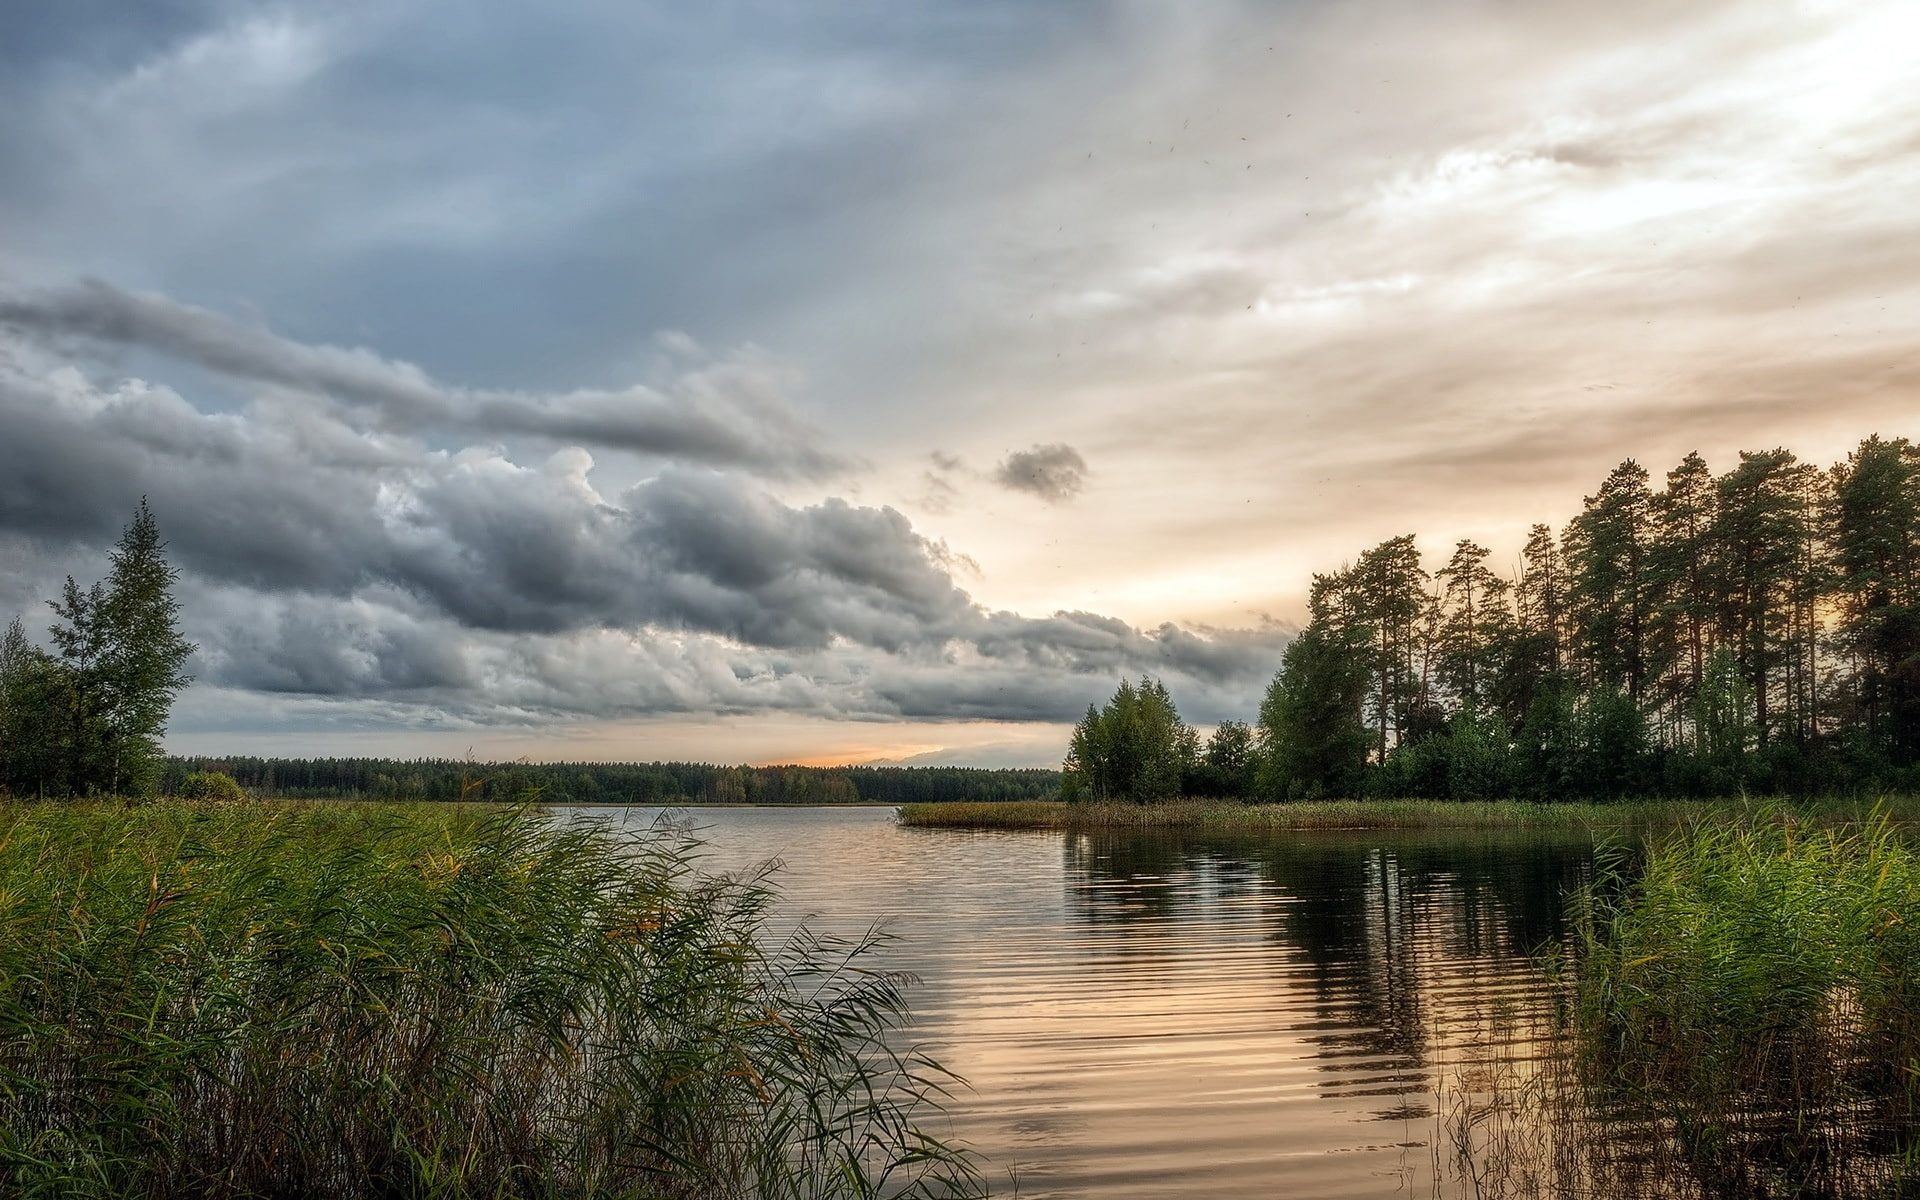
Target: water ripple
pixel 1160 1015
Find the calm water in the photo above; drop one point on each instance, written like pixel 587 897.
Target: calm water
pixel 1157 1015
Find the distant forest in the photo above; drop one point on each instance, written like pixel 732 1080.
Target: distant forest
pixel 1756 630
pixel 665 783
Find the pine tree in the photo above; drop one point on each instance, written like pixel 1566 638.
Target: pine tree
pixel 1475 624
pixel 1389 600
pixel 1680 562
pixel 121 661
pixel 1542 596
pixel 144 659
pixel 1874 524
pixel 1606 551
pixel 1758 537
pixel 79 742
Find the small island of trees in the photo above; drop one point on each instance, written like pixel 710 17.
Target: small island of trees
pixel 1757 631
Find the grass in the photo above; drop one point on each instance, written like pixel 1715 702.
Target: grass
pixel 1756 987
pixel 431 1001
pixel 1738 1015
pixel 989 814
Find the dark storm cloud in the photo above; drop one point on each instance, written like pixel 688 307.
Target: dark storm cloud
pixel 380 650
pixel 331 561
pixel 475 535
pixel 726 418
pixel 1053 472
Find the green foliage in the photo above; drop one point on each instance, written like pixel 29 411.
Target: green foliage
pixel 1479 757
pixel 375 1000
pixel 1235 816
pixel 1609 595
pixel 1312 742
pixel 1718 762
pixel 210 785
pixel 35 696
pixel 1547 744
pixel 1874 516
pixel 1761 538
pixel 1754 632
pixel 1382 601
pixel 88 721
pixel 1136 748
pixel 1226 767
pixel 1573 746
pixel 1474 626
pixel 1612 744
pixel 1758 983
pixel 1684 581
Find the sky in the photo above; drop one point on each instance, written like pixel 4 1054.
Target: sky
pixel 883 382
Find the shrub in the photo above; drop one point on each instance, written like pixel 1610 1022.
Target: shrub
pixel 210 785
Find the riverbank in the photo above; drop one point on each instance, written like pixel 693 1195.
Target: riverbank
pixel 1364 814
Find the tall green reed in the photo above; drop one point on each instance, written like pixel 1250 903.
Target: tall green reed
pixel 389 1000
pixel 1754 991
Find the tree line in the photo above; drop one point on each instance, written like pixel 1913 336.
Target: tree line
pixel 1756 630
pixel 664 783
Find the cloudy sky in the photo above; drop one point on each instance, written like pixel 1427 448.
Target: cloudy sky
pixel 831 382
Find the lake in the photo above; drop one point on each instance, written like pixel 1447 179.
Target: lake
pixel 1164 1015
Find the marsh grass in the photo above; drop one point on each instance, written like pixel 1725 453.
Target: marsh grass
pixel 1503 1128
pixel 1738 1015
pixel 446 1001
pixel 1756 988
pixel 994 814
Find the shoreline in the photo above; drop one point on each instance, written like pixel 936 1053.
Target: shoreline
pixel 1334 815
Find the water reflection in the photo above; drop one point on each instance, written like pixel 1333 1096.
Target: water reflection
pixel 1160 1015
pixel 1387 946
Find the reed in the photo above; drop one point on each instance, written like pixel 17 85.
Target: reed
pixel 445 1001
pixel 1738 1015
pixel 999 814
pixel 1757 989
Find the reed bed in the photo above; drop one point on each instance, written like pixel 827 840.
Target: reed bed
pixel 412 1001
pixel 1756 989
pixel 1738 1015
pixel 988 814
